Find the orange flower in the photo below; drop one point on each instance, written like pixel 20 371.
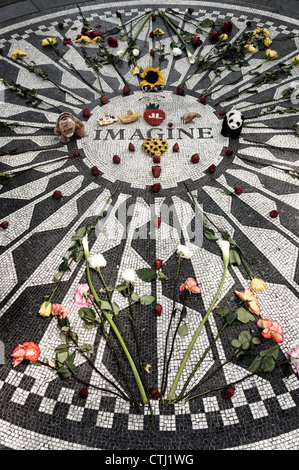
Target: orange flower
pixel 251 300
pixel 271 329
pixel 27 350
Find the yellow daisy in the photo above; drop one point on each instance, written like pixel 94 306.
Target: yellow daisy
pixel 152 77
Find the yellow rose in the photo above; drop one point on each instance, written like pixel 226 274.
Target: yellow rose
pixel 223 37
pixel 84 39
pixel 257 284
pixel 158 32
pixel 257 30
pixel 45 309
pixel 268 42
pixel 295 60
pixel 19 54
pixel 270 54
pixel 250 48
pixel 265 32
pixel 49 41
pixel 135 70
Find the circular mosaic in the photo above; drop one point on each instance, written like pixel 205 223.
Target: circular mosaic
pixel 203 354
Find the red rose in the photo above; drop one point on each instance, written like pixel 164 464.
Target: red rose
pixel 94 34
pixel 215 36
pixel 248 23
pixel 238 190
pixel 222 112
pixel 104 99
pixel 156 187
pixel 95 171
pixel 229 151
pixel 86 112
pixel 203 99
pixel 83 393
pixel 158 310
pixel 176 147
pixel 112 42
pixel 4 224
pixel 227 27
pixel 196 41
pixel 60 25
pixel 152 52
pixel 126 90
pixel 158 264
pixel 154 16
pixel 195 158
pixel 57 194
pixel 180 90
pixel 118 14
pixel 155 392
pixel 67 41
pixel 156 170
pixel 170 124
pixel 229 391
pixel 156 159
pixel 98 26
pixel 131 147
pixel 116 159
pixel 152 34
pixel 212 168
pixel 76 153
pixel 273 214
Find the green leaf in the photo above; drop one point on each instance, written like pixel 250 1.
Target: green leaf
pixel 162 276
pixel 79 234
pixel 183 331
pixel 222 312
pixel 244 316
pixel 206 23
pixel 271 352
pixel 255 365
pixel 64 373
pixel 231 317
pixel 267 364
pixel 236 343
pixel 105 305
pixel 135 297
pixel 234 68
pixel 234 258
pixel 146 274
pixel 147 299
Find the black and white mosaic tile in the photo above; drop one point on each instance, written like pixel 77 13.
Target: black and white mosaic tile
pixel 39 410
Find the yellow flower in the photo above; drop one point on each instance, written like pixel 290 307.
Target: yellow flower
pixel 52 364
pixel 265 32
pixel 268 41
pixel 270 54
pixel 158 32
pixel 19 54
pixel 257 284
pixel 152 77
pixel 45 309
pixel 135 70
pixel 84 39
pixel 96 39
pixel 49 41
pixel 257 30
pixel 223 37
pixel 250 48
pixel 295 60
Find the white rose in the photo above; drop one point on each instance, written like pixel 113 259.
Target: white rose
pixel 120 53
pixel 191 57
pixel 97 261
pixel 184 251
pixel 176 51
pixel 129 275
pixel 135 52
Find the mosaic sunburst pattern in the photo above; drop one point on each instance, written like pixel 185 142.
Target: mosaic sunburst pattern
pixel 38 409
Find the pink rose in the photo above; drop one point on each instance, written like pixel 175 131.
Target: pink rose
pixel 271 329
pixel 191 285
pixel 81 296
pixel 58 308
pixel 27 350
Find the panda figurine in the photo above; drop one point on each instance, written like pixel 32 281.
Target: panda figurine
pixel 232 123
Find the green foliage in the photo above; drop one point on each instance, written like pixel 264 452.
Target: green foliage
pixel 146 274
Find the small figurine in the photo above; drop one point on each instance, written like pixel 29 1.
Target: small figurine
pixel 67 125
pixel 129 117
pixel 187 118
pixel 232 123
pixel 107 120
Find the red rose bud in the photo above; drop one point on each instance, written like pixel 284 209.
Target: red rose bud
pixel 86 112
pixel 76 153
pixel 202 99
pixel 4 224
pixel 118 14
pixel 248 23
pixel 196 41
pixel 176 147
pixel 104 99
pixel 60 25
pixel 156 170
pixel 126 90
pixel 158 310
pixel 238 190
pixel 191 10
pixel 116 159
pixel 215 36
pixel 83 393
pixel 180 90
pixel 156 159
pixel 156 187
pixel 212 168
pixel 227 27
pixel 57 194
pixel 152 52
pixel 229 151
pixel 229 391
pixel 273 214
pixel 95 171
pixel 155 392
pixel 158 264
pixel 170 124
pixel 67 41
pixel 157 221
pixel 131 147
pixel 195 158
pixel 222 112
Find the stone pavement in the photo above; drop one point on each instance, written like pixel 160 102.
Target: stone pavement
pixel 47 194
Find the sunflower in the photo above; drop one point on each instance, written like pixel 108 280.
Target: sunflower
pixel 152 77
